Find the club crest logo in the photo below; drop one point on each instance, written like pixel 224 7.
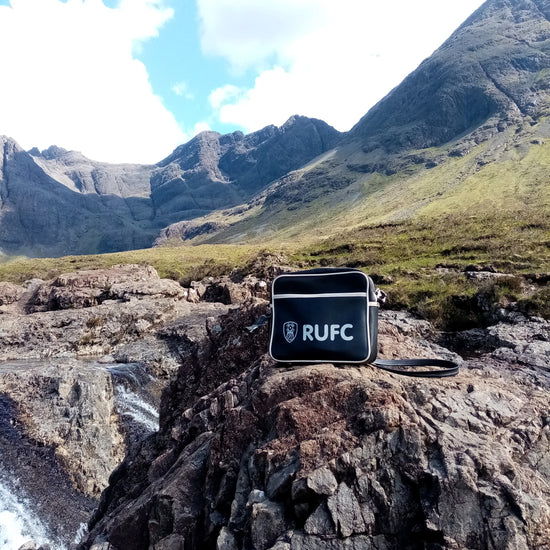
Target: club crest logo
pixel 290 331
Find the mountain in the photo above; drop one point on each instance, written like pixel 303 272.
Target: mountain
pixel 40 214
pixel 213 171
pixel 464 134
pixel 491 73
pixel 57 202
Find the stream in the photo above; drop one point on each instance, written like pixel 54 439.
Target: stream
pixel 21 520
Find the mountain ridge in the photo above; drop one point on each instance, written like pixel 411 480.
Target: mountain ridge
pixel 478 103
pixel 116 207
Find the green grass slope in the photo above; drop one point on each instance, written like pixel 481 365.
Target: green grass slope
pixel 417 229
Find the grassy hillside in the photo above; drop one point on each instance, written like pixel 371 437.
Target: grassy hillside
pixel 183 263
pixel 448 210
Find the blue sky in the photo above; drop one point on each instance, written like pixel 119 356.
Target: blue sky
pixel 130 80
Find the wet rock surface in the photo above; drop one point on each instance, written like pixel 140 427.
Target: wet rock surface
pixel 59 440
pixel 347 457
pixel 73 350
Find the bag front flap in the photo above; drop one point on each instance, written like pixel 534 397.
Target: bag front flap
pixel 319 316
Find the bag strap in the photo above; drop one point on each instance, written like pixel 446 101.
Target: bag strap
pixel 445 367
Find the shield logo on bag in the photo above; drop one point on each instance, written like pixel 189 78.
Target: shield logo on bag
pixel 290 330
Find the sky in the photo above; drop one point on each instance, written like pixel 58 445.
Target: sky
pixel 130 80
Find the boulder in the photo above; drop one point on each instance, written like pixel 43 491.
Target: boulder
pixel 338 457
pixel 92 287
pixel 10 293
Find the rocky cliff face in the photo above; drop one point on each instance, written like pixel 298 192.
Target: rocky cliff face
pixel 58 202
pixel 213 171
pixel 84 360
pixel 254 456
pixel 40 215
pixel 491 72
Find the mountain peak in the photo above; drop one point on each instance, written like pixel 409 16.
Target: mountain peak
pixel 9 144
pixel 493 69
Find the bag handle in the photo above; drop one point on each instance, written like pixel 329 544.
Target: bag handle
pixel 445 367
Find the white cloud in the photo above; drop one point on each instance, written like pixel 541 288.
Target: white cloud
pixel 69 78
pixel 181 89
pixel 201 127
pixel 320 58
pixel 248 32
pixel 221 95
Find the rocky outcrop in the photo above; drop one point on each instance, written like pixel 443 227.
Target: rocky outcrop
pixel 252 455
pixel 69 408
pixel 337 457
pixel 99 313
pixel 90 288
pixel 75 350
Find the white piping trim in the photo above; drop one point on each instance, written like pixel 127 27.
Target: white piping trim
pixel 324 295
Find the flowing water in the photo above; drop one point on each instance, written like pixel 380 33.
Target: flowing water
pixel 136 394
pixel 18 522
pixel 132 398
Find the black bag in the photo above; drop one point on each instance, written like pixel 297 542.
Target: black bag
pixel 331 316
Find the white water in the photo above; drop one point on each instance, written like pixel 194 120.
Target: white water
pixel 18 524
pixel 129 380
pixel 139 410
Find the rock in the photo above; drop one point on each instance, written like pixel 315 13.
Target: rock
pixel 226 540
pixel 347 457
pixel 523 342
pixel 10 293
pixel 68 407
pixel 484 276
pixel 268 522
pixel 320 522
pixel 89 288
pixel 61 435
pixel 322 482
pixel 104 312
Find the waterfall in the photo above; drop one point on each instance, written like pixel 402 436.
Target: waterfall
pixel 132 397
pixel 18 523
pixel 139 410
pixel 24 515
